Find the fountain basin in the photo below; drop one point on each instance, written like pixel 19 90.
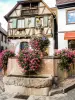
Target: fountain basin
pixel 27 86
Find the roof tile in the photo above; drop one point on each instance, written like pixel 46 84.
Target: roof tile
pixel 60 2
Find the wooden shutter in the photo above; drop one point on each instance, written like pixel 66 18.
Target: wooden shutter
pixel 45 20
pixel 14 23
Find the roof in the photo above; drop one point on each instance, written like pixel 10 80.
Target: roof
pixel 24 1
pixel 18 3
pixel 2 30
pixel 60 2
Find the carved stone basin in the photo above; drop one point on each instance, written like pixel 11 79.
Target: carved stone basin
pixel 27 86
pixel 28 82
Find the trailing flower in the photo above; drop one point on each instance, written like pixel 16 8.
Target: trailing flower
pixel 66 58
pixel 39 43
pixel 4 55
pixel 29 60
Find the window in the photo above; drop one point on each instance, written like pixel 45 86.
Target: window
pixel 70 16
pixel 34 4
pixel 13 23
pixel 21 23
pixel 23 45
pixel 29 8
pixel 30 22
pixel 39 21
pixel 71 44
pixel 45 19
pixel 26 5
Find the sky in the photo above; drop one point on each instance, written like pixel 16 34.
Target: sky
pixel 7 5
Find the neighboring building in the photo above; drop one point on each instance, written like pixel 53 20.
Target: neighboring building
pixel 3 39
pixel 66 23
pixel 28 18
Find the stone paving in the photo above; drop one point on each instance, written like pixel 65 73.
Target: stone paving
pixel 1 85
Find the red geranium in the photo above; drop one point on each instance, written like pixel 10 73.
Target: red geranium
pixel 4 55
pixel 66 58
pixel 29 60
pixel 39 43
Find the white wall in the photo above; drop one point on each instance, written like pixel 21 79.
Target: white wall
pixel 62 44
pixel 63 27
pixel 50 3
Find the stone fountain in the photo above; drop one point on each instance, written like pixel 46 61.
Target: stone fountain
pixel 16 82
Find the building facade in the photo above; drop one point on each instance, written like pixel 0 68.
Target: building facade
pixel 29 18
pixel 66 23
pixel 3 39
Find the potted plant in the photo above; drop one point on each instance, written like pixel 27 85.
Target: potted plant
pixel 66 60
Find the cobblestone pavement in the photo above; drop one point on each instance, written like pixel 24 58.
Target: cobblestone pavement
pixel 1 85
pixel 67 96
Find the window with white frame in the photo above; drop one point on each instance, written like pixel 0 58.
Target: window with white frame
pixel 70 16
pixel 39 21
pixel 30 22
pixel 21 23
pixel 45 20
pixel 24 45
pixel 13 23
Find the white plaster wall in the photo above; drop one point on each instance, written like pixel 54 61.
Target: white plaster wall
pixel 15 45
pixel 62 26
pixel 62 44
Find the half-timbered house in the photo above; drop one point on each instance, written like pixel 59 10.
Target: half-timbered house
pixel 28 18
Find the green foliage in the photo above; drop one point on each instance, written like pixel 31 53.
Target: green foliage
pixel 66 59
pixel 39 43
